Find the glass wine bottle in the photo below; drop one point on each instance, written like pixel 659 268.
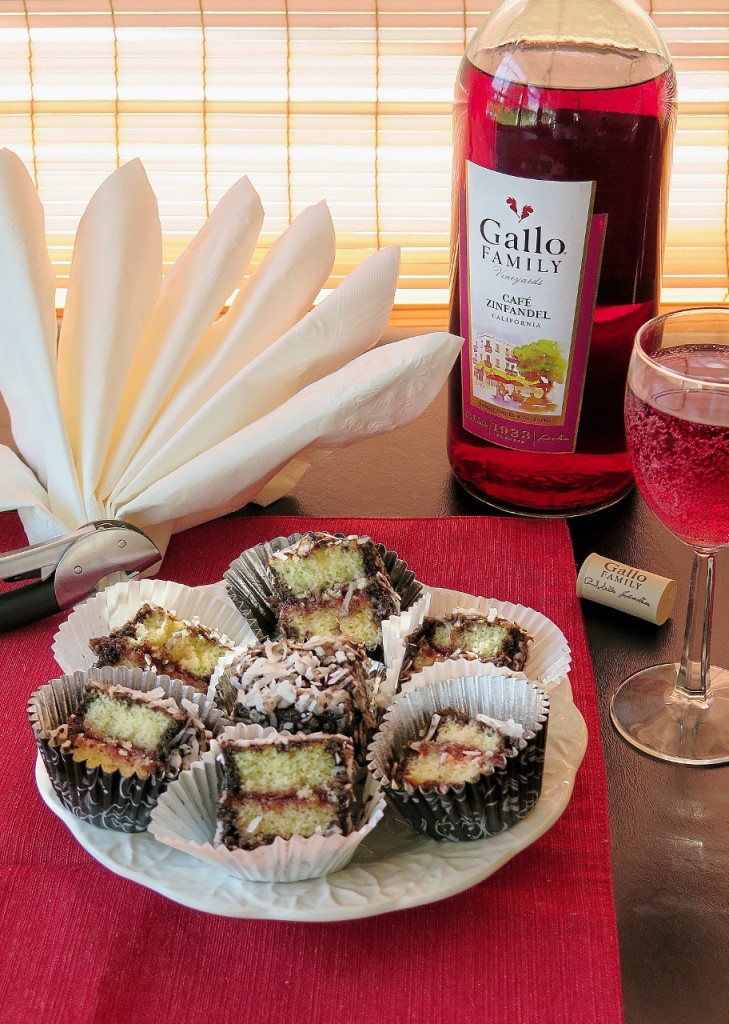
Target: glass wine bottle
pixel 563 127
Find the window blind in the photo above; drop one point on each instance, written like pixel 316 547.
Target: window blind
pixel 346 101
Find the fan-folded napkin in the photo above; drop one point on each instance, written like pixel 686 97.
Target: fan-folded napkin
pixel 152 407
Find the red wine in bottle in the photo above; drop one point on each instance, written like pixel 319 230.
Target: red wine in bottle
pixel 560 191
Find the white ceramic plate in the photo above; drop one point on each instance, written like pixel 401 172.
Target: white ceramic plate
pixel 394 868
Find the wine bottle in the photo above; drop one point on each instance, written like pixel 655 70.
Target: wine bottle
pixel 563 127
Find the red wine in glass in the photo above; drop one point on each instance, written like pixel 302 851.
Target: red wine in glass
pixel 679 446
pixel 677 426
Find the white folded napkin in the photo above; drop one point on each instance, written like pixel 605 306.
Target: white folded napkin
pixel 154 408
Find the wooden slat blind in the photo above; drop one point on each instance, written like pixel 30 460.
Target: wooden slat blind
pixel 347 101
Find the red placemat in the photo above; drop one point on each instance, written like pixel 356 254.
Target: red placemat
pixel 536 942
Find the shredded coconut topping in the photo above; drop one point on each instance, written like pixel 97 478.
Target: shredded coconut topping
pixel 347 600
pixel 511 729
pixel 318 675
pixel 309 542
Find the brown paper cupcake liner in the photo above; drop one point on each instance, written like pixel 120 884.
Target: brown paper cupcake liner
pixel 251 591
pixel 106 799
pixel 497 801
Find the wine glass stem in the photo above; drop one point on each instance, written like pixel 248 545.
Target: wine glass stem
pixel 693 674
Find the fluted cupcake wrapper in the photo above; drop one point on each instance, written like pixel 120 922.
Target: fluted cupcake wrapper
pixel 115 605
pixel 501 797
pixel 548 661
pixel 251 590
pixel 439 671
pixel 106 799
pixel 185 818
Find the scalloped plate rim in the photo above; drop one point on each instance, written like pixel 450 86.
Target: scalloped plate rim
pixel 104 846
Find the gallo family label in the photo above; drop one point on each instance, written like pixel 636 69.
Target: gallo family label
pixel 530 260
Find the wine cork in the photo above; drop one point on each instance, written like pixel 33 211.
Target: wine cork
pixel 634 591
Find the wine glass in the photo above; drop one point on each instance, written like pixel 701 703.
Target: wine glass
pixel 677 427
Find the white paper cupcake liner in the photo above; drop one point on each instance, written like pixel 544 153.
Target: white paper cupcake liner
pixel 185 818
pixel 501 797
pixel 106 799
pixel 115 605
pixel 223 696
pixel 455 668
pixel 548 662
pixel 410 618
pixel 251 589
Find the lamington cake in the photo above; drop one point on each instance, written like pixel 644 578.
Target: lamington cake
pixel 285 786
pixel 455 749
pixel 132 732
pixel 318 685
pixel 157 640
pixel 332 586
pixel 469 635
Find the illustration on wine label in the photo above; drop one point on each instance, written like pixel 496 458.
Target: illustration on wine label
pixel 527 298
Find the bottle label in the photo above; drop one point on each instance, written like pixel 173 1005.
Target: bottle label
pixel 530 262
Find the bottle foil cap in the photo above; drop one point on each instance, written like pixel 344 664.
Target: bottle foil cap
pixel 634 591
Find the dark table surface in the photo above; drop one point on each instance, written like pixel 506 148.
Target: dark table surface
pixel 669 824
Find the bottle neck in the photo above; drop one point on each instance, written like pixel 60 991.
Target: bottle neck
pixel 583 44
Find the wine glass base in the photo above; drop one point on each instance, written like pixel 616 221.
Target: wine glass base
pixel 649 716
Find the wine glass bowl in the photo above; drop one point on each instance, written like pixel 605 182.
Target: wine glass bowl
pixel 677 431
